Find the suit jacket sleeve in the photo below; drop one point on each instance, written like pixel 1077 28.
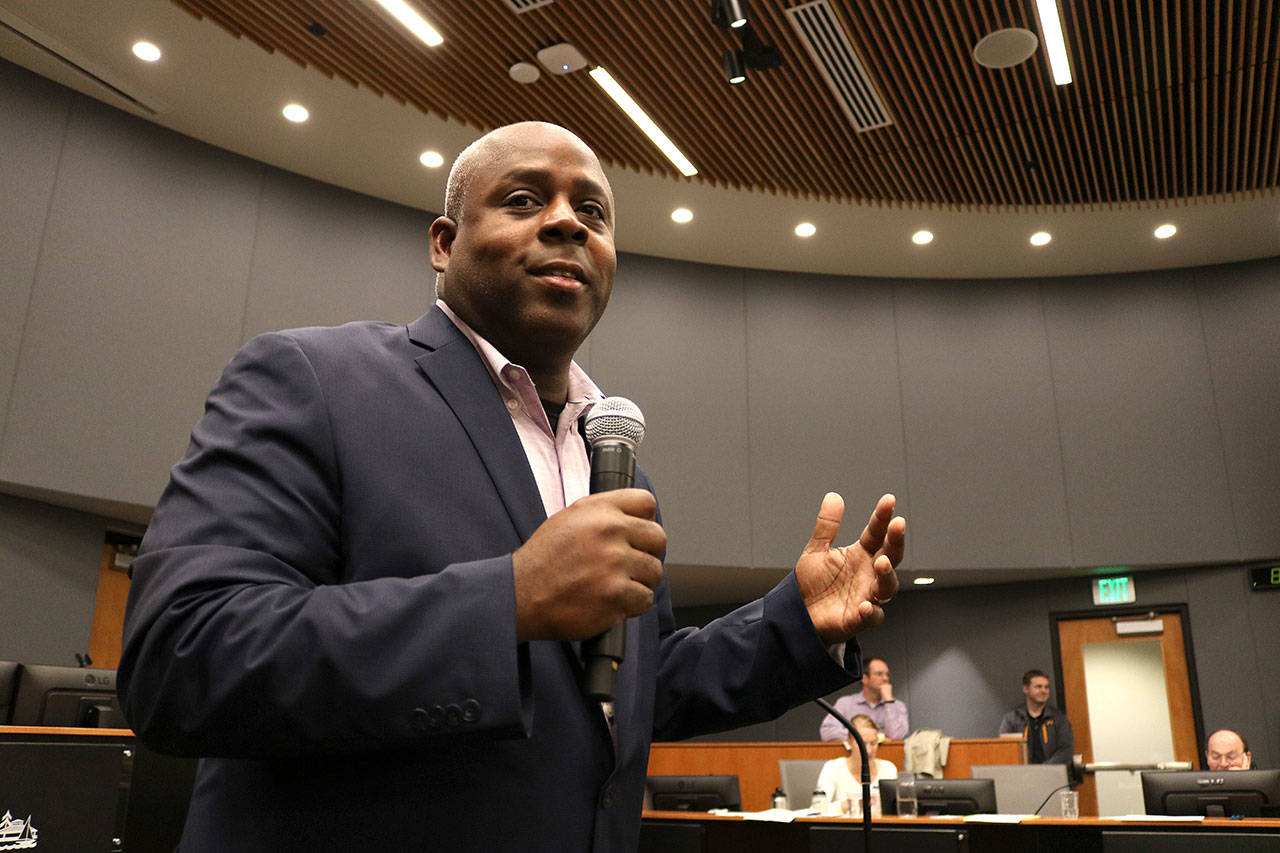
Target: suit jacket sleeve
pixel 749 666
pixel 244 635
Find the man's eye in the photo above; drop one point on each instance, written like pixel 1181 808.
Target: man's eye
pixel 592 209
pixel 522 200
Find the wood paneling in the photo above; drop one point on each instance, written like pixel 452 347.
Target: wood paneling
pixel 1171 99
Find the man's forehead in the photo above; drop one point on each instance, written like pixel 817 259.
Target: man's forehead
pixel 1225 740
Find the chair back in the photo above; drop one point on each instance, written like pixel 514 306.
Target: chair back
pixel 799 779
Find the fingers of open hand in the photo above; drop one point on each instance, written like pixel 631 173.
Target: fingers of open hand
pixel 873 535
pixel 886 581
pixel 827 525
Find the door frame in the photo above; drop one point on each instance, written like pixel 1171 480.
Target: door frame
pixel 1193 681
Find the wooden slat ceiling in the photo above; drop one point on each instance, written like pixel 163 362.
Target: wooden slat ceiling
pixel 1172 99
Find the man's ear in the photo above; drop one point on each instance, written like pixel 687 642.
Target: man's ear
pixel 443 231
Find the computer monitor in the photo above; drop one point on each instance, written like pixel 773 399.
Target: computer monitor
pixel 692 793
pixel 1212 793
pixel 8 678
pixel 943 796
pixel 66 696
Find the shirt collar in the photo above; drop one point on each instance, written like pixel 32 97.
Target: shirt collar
pixel 507 374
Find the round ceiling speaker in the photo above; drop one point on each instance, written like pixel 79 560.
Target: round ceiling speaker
pixel 1005 48
pixel 524 72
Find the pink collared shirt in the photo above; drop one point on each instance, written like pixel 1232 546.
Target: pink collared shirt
pixel 557 455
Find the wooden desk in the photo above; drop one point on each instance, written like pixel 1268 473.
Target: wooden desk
pixel 756 764
pixel 668 832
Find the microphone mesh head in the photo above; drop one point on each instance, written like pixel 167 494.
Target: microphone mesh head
pixel 615 418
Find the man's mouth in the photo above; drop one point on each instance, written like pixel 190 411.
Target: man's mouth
pixel 562 274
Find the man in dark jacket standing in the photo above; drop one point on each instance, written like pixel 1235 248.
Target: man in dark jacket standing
pixel 1048 731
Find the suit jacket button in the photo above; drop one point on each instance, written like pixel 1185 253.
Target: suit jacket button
pixel 435 716
pixel 452 715
pixel 418 720
pixel 470 711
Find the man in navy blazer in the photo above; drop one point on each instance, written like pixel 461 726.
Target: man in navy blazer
pixel 354 604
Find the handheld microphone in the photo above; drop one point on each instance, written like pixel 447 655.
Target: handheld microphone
pixel 615 428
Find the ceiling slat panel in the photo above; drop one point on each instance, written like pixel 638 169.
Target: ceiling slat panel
pixel 1171 98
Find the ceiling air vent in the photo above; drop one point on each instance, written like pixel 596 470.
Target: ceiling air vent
pixel 519 6
pixel 828 44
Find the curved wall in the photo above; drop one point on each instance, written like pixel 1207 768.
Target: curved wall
pixel 1023 423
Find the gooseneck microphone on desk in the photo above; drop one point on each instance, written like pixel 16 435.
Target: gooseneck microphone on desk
pixel 866 771
pixel 614 428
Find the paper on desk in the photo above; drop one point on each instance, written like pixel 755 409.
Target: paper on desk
pixel 774 815
pixel 998 818
pixel 1178 818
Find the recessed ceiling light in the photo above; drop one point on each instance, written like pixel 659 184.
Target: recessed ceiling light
pixel 682 215
pixel 624 101
pixel 922 581
pixel 806 229
pixel 296 113
pixel 414 22
pixel 431 159
pixel 1040 238
pixel 1164 232
pixel 146 51
pixel 922 238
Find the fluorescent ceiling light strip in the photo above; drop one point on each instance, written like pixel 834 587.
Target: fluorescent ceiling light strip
pixel 1054 42
pixel 411 19
pixel 642 120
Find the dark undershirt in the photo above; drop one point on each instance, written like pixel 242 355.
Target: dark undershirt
pixel 1036 737
pixel 553 411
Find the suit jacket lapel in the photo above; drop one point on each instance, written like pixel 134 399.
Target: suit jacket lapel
pixel 455 369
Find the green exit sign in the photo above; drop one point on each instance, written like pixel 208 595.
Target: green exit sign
pixel 1114 590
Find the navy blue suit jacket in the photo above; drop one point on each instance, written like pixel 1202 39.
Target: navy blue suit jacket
pixel 324 609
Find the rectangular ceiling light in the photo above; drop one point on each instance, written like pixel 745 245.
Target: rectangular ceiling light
pixel 1055 44
pixel 415 23
pixel 642 120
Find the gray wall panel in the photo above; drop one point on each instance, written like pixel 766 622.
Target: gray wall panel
pixel 1241 309
pixel 982 437
pixel 324 255
pixel 673 340
pixel 136 309
pixel 1235 637
pixel 49 573
pixel 824 407
pixel 957 655
pixel 29 150
pixel 1146 480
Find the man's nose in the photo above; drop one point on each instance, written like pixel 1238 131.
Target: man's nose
pixel 560 222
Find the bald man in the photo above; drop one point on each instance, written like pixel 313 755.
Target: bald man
pixel 362 595
pixel 1226 750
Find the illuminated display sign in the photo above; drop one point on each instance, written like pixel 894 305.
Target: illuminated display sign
pixel 1114 590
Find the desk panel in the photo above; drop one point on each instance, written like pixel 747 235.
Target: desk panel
pixel 756 764
pixel 722 834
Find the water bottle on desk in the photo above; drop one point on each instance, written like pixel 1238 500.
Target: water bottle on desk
pixel 819 802
pixel 908 805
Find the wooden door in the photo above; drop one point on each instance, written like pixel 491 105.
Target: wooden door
pixel 108 606
pixel 1074 634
